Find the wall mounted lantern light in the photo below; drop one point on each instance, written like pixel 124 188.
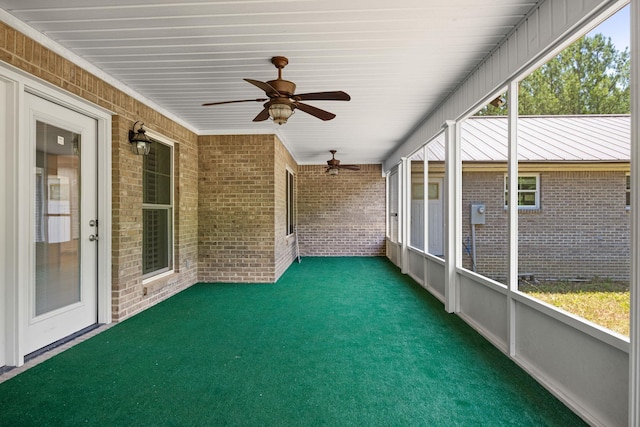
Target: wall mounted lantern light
pixel 140 143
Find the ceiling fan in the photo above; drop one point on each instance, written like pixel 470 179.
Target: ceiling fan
pixel 335 166
pixel 282 99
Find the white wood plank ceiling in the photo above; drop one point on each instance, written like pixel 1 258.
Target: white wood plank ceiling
pixel 397 59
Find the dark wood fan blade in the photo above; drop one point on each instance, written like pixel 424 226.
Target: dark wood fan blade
pixel 232 102
pixel 350 167
pixel 262 116
pixel 323 96
pixel 266 87
pixel 316 112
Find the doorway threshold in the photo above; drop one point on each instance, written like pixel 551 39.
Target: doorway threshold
pixel 60 342
pixel 36 357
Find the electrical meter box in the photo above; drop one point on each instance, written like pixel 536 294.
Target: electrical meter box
pixel 477 213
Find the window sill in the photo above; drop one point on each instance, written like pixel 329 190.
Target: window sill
pixel 153 284
pixel 157 277
pixel 526 210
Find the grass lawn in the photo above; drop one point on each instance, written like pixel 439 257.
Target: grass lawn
pixel 603 302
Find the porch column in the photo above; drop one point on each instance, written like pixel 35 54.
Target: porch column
pixel 634 335
pixel 405 213
pixel 452 214
pixel 512 281
pixel 425 213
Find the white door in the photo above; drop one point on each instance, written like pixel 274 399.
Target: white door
pixel 62 290
pixel 436 218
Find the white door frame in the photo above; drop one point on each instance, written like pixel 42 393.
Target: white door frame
pixel 52 324
pixel 5 168
pixel 17 221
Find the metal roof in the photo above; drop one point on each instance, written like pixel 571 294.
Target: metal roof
pixel 582 138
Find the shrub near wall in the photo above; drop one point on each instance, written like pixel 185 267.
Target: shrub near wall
pixel 342 215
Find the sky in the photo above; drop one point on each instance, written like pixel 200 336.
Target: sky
pixel 617 27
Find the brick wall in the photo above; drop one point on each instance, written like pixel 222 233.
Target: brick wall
pixel 285 251
pixel 236 208
pixel 129 295
pixel 343 214
pixel 581 230
pixel 492 237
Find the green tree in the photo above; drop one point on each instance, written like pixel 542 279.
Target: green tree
pixel 589 77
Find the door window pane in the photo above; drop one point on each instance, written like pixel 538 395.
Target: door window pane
pixel 57 218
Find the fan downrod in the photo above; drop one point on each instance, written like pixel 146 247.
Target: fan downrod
pixel 280 62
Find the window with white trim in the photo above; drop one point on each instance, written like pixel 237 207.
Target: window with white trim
pixel 290 203
pixel 528 191
pixel 157 210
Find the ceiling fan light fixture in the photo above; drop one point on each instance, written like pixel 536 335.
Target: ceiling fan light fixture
pixel 280 112
pixel 283 101
pixel 333 165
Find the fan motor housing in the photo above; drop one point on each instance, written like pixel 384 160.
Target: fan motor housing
pixel 284 87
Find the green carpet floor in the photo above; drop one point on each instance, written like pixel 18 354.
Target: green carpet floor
pixel 336 342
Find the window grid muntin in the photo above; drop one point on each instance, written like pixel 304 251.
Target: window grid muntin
pixel 528 191
pixel 158 198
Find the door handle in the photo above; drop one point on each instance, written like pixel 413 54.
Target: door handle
pixel 93 237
